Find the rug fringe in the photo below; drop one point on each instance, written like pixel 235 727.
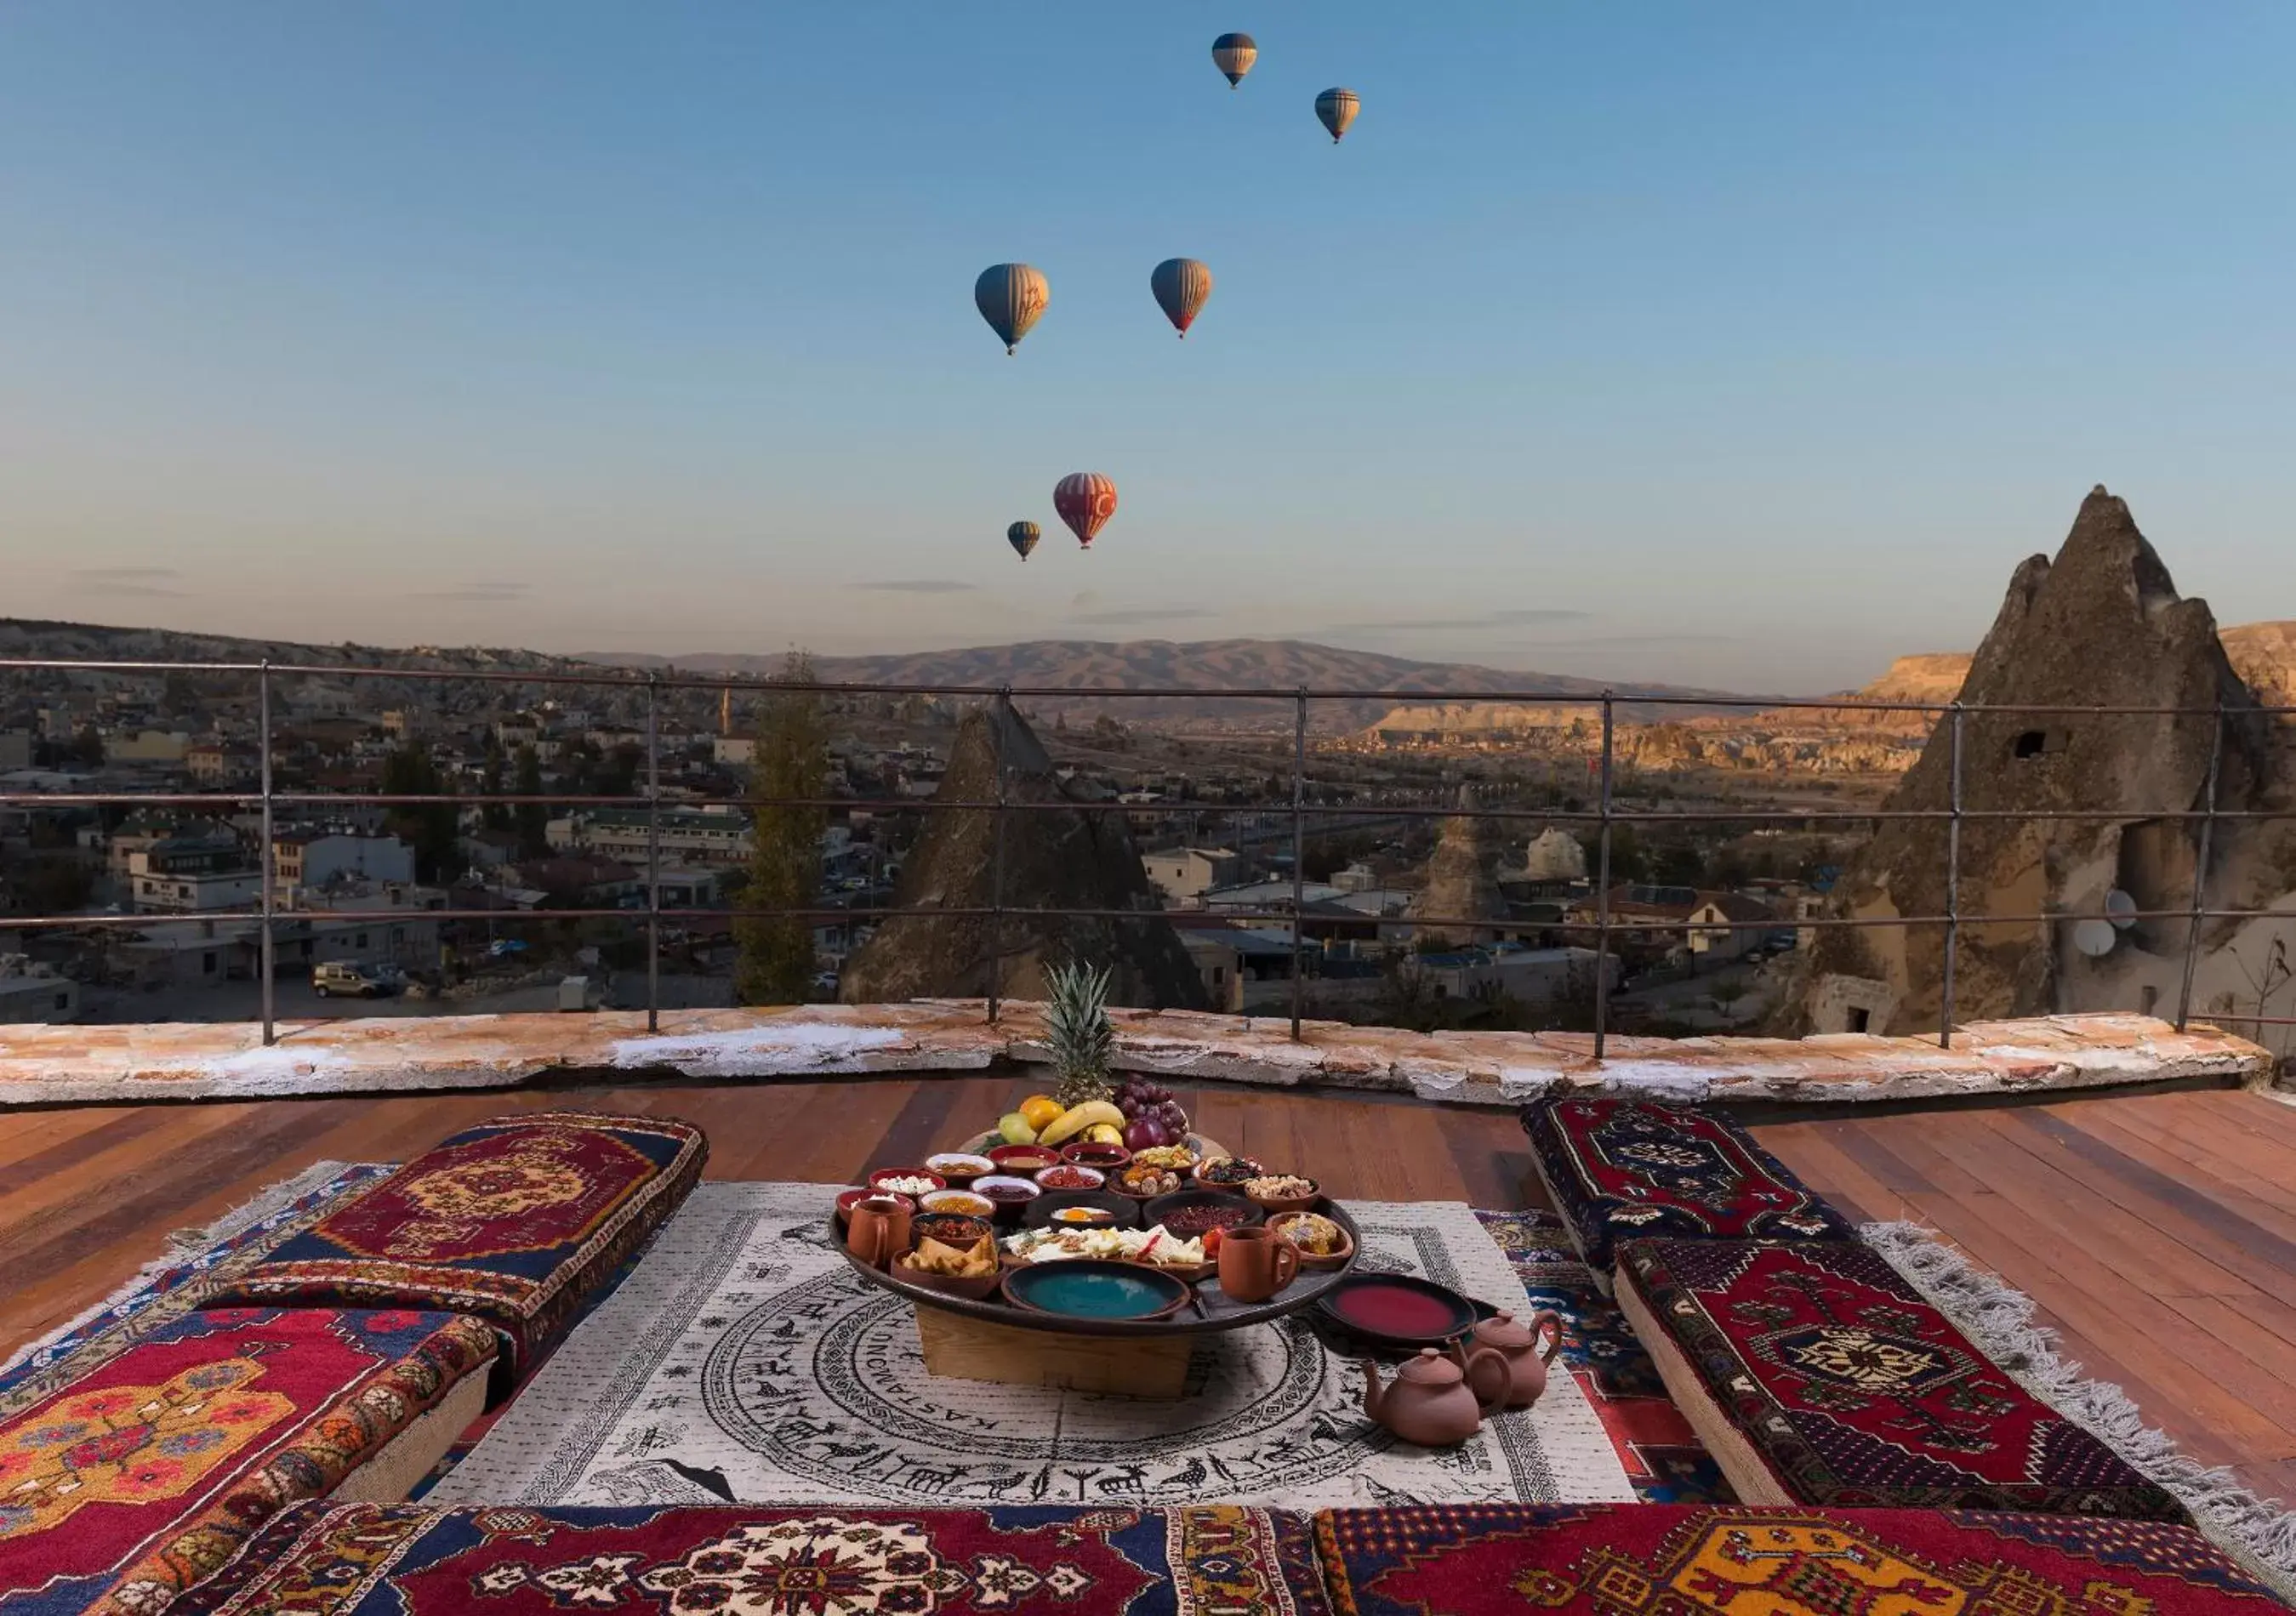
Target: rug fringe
pixel 2258 1532
pixel 183 1245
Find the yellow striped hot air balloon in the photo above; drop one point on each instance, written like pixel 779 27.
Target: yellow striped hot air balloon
pixel 1234 54
pixel 1337 109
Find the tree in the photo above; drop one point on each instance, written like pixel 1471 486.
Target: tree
pixel 431 829
pixel 777 962
pixel 531 820
pixel 494 816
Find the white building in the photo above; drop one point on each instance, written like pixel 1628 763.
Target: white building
pixel 31 993
pixel 161 746
pixel 313 858
pixel 1184 874
pixel 195 891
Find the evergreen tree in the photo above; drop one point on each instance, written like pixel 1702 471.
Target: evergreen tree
pixel 531 820
pixel 776 963
pixel 430 829
pixel 496 815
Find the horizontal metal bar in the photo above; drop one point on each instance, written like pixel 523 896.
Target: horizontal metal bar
pixel 1591 699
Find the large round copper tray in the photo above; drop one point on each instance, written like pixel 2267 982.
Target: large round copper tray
pixel 1212 1312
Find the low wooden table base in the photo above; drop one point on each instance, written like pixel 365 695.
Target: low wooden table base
pixel 959 1348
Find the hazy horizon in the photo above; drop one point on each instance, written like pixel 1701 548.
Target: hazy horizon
pixel 1738 350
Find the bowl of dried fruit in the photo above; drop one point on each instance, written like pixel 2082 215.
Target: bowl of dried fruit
pixel 1281 1192
pixel 1322 1243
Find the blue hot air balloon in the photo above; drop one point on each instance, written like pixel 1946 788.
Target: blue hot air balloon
pixel 1338 110
pixel 1234 54
pixel 1010 297
pixel 1181 285
pixel 1023 535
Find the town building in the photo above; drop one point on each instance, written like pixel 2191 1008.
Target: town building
pixel 1184 874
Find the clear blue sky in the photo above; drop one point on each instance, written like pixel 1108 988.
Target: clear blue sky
pixel 1747 345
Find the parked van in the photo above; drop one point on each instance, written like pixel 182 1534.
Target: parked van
pixel 352 981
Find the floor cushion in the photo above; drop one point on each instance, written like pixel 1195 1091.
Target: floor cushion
pixel 142 1473
pixel 1816 1374
pixel 1625 1169
pixel 515 1221
pixel 822 1561
pixel 1680 1560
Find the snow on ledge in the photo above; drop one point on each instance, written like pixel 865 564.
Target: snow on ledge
pixel 68 1065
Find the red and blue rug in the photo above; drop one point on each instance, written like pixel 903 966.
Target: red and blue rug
pixel 405 1560
pixel 1623 1170
pixel 1733 1560
pixel 1818 1375
pixel 516 1220
pixel 143 1472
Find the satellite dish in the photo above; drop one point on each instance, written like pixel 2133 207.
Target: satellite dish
pixel 2121 909
pixel 2095 938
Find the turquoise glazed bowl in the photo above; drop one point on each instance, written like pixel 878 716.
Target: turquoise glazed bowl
pixel 1087 1289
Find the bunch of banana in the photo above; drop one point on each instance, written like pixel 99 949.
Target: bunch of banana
pixel 1078 1118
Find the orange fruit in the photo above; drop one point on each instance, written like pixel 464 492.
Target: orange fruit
pixel 1042 1111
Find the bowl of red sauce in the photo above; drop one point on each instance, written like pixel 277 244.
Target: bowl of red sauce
pixel 1069 1176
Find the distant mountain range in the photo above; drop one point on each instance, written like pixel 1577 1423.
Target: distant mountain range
pixel 1261 665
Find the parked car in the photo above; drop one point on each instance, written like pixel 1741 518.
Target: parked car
pixel 341 977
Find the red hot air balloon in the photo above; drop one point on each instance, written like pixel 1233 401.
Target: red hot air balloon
pixel 1085 500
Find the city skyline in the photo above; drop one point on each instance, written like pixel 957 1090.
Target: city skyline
pixel 584 331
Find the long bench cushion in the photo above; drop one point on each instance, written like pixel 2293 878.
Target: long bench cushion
pixel 1626 1169
pixel 515 1221
pixel 136 1478
pixel 1104 1560
pixel 1735 1560
pixel 1817 1375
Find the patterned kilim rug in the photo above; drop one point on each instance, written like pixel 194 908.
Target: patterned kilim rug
pixel 172 1286
pixel 1664 1458
pixel 742 1361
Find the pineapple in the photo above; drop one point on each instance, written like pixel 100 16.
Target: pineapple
pixel 1076 1027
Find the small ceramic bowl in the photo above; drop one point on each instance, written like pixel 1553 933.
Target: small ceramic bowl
pixel 1010 1196
pixel 1176 1183
pixel 967 1203
pixel 973 1287
pixel 1324 1263
pixel 959 1167
pixel 878 1177
pixel 1229 1173
pixel 1287 1203
pixel 1022 1159
pixel 1106 1157
pixel 1068 1176
pixel 847 1202
pixel 951 1229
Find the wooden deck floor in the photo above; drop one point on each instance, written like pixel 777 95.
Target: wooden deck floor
pixel 2157 1232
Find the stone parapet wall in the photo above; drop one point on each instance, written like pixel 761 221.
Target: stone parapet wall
pixel 166 1061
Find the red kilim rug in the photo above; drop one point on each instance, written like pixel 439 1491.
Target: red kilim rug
pixel 405 1560
pixel 514 1220
pixel 148 1471
pixel 1733 1560
pixel 1623 1170
pixel 1818 1375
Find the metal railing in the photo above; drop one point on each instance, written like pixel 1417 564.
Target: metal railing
pixel 1605 815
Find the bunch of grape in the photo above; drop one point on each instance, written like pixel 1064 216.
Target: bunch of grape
pixel 1152 1117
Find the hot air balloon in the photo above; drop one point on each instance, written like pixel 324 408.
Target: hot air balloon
pixel 1010 297
pixel 1234 54
pixel 1023 535
pixel 1181 285
pixel 1338 110
pixel 1085 500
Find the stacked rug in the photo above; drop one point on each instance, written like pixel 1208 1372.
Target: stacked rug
pixel 1654 1560
pixel 517 1221
pixel 744 1361
pixel 410 1560
pixel 143 1471
pixel 1624 1170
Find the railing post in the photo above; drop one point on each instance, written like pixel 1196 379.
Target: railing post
pixel 1298 846
pixel 996 864
pixel 1952 889
pixel 2201 871
pixel 270 858
pixel 1603 892
pixel 653 852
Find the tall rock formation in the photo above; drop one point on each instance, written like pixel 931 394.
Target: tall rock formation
pixel 1462 878
pixel 1064 857
pixel 2102 626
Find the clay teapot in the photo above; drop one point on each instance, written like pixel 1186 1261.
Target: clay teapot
pixel 1432 1400
pixel 1523 1351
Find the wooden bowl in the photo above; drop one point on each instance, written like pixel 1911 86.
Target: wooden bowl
pixel 1287 1203
pixel 1325 1264
pixel 972 1287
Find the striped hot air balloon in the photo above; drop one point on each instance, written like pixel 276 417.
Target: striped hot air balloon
pixel 1234 54
pixel 1085 500
pixel 1010 297
pixel 1338 109
pixel 1181 285
pixel 1023 535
